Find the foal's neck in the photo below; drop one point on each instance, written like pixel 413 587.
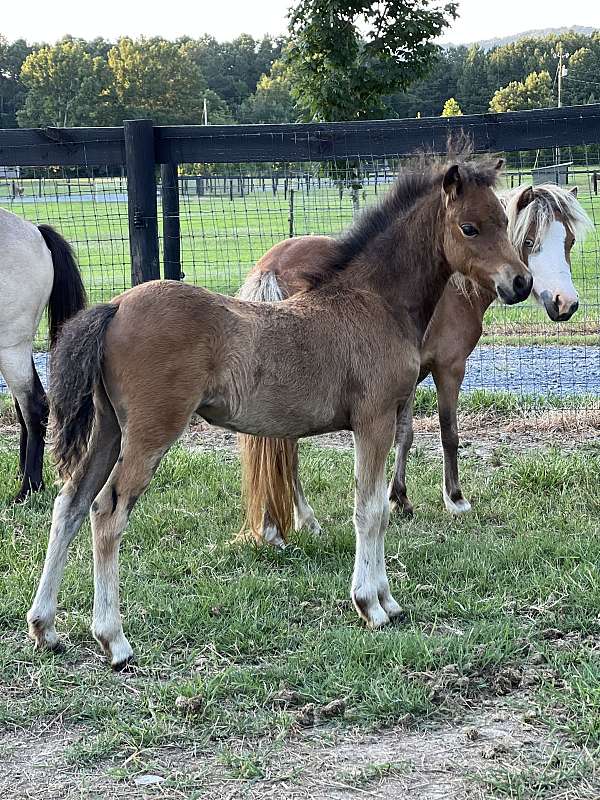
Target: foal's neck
pixel 411 269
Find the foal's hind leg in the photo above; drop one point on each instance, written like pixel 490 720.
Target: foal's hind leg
pixel 304 516
pixel 143 447
pixel 448 382
pixel 370 588
pixel 404 438
pixel 16 364
pixel 70 508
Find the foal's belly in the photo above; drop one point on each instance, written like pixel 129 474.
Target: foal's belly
pixel 279 420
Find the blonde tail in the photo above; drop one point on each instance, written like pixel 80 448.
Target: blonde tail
pixel 267 484
pixel 267 464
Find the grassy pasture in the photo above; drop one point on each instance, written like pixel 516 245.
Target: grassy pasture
pixel 501 602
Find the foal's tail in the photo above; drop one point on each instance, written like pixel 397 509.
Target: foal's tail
pixel 76 371
pixel 68 293
pixel 267 464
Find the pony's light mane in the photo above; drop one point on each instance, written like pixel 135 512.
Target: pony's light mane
pixel 548 199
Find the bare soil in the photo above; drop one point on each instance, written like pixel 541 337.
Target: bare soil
pixel 480 434
pixel 499 744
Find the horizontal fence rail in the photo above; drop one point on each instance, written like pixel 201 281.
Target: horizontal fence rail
pixel 520 130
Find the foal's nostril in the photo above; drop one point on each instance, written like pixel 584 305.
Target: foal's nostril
pixel 521 285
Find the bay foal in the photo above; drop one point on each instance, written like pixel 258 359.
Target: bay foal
pixel 543 224
pixel 128 375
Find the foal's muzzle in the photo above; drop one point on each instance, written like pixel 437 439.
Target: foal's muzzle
pixel 519 291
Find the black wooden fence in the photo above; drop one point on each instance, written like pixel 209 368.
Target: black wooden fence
pixel 141 147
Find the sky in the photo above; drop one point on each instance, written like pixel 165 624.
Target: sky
pixel 44 21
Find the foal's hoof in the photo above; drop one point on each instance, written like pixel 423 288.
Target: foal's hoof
pixel 272 536
pixel 44 638
pixel 370 610
pixel 391 607
pixel 458 506
pixel 116 648
pixel 124 666
pixel 401 506
pixel 312 526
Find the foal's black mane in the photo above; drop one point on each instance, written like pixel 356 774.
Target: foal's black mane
pixel 415 180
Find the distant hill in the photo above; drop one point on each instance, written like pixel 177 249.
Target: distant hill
pixel 488 44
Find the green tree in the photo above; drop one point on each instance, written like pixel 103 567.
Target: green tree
pixel 534 92
pixel 156 78
pixel 345 56
pixel 12 91
pixel 272 101
pixel 581 84
pixel 451 108
pixel 233 69
pixel 472 87
pixel 425 96
pixel 65 86
pixel 514 61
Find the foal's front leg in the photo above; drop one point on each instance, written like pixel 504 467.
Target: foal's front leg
pixel 370 588
pixel 448 382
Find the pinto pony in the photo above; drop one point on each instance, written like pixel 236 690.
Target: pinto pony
pixel 543 224
pixel 129 374
pixel 37 269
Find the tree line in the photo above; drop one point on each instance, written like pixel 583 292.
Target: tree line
pixel 518 76
pixel 327 68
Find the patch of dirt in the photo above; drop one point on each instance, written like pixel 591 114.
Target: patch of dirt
pixel 480 434
pixel 459 760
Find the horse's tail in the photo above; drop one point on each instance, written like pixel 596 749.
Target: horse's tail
pixel 267 464
pixel 68 293
pixel 76 371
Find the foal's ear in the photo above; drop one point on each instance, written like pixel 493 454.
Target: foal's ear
pixel 525 198
pixel 573 191
pixel 452 183
pixel 500 164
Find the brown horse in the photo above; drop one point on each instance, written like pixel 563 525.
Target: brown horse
pixel 345 355
pixel 543 224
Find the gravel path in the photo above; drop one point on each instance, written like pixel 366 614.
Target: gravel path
pixel 524 370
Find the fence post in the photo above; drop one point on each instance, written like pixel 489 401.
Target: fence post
pixel 141 194
pixel 171 226
pixel 291 214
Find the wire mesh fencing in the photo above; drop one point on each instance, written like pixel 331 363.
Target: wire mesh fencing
pixel 231 214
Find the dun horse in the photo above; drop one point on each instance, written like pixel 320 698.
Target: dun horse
pixel 543 224
pixel 346 355
pixel 37 269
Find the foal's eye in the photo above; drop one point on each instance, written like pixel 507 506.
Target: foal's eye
pixel 468 229
pixel 529 244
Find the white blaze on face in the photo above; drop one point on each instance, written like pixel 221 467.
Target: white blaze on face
pixel 551 271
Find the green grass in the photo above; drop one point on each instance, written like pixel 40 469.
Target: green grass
pixel 221 239
pixel 505 403
pixel 487 596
